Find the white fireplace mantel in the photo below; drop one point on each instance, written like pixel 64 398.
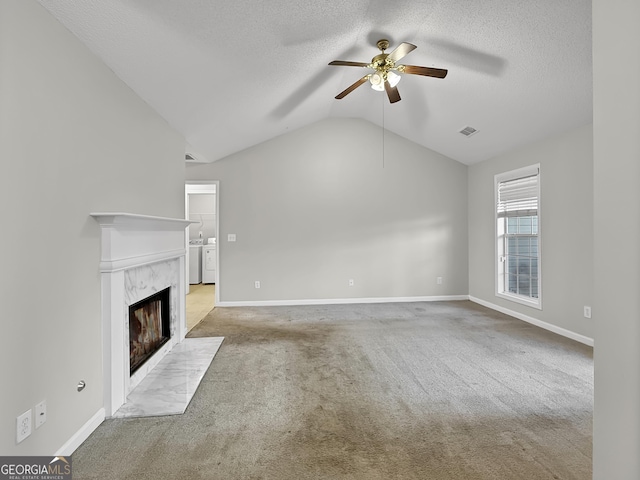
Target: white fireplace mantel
pixel 129 239
pixel 139 221
pixel 140 255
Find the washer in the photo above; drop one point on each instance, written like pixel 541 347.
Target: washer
pixel 195 264
pixel 209 263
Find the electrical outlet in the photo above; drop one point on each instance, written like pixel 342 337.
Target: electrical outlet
pixel 41 413
pixel 23 427
pixel 439 280
pixel 257 284
pixel 587 311
pixel 351 282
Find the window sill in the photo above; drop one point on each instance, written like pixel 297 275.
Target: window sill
pixel 537 303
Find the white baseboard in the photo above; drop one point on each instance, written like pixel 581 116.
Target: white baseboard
pixel 539 323
pixel 340 301
pixel 81 435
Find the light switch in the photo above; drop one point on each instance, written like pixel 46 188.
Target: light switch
pixel 231 237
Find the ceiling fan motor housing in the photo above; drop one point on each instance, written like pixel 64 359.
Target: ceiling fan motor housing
pixel 380 61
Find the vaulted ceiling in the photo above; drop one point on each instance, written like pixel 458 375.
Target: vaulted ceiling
pixel 229 75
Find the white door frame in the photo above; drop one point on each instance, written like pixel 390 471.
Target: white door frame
pixel 205 187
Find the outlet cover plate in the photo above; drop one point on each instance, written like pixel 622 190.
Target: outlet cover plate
pixel 41 413
pixel 23 427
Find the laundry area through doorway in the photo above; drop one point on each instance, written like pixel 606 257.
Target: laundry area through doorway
pixel 201 209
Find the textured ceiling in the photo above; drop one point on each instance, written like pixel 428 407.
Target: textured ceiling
pixel 229 75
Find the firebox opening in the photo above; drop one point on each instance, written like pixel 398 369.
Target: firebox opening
pixel 149 327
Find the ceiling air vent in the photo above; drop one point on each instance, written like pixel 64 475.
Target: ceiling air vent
pixel 191 158
pixel 468 131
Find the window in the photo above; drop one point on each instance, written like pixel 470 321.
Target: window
pixel 518 235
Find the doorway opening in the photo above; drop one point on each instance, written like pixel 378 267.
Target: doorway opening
pixel 202 271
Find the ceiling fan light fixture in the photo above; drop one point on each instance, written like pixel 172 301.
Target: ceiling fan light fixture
pixel 393 78
pixel 377 81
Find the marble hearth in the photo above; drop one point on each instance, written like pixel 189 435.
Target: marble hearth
pixel 170 386
pixel 141 255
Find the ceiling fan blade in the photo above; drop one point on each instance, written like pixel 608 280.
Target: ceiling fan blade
pixel 392 92
pixel 425 71
pixel 348 64
pixel 401 50
pixel 351 88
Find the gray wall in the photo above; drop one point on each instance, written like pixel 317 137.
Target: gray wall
pixel 566 195
pixel 616 119
pixel 317 207
pixel 73 140
pixel 202 209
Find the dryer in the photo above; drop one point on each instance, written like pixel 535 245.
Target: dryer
pixel 209 263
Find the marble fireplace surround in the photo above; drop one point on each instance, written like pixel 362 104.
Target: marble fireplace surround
pixel 141 255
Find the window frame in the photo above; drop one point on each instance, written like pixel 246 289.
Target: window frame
pixel 499 264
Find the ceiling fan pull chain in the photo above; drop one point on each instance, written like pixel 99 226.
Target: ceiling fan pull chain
pixel 383 132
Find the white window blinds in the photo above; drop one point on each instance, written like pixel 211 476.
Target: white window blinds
pixel 518 197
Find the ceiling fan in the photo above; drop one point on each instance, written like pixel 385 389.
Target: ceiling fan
pixel 385 76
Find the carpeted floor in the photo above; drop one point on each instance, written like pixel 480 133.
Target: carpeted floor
pixel 446 390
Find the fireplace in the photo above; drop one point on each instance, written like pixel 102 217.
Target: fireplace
pixel 141 256
pixel 149 327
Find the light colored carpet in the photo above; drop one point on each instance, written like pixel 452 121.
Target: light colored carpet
pixel 447 390
pixel 200 301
